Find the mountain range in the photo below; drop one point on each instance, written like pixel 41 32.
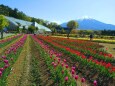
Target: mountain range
pixel 91 24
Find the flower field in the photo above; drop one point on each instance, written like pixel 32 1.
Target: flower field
pixel 36 60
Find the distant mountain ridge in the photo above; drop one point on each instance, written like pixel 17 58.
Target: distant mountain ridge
pixel 91 24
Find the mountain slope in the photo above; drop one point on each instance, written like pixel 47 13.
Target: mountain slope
pixel 91 24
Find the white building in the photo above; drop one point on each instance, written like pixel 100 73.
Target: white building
pixel 14 23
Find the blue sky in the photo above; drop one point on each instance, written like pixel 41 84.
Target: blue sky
pixel 65 10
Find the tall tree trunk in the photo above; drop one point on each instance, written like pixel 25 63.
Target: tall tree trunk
pixel 1 34
pixel 69 31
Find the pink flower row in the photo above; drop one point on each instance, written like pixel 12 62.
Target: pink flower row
pixel 13 49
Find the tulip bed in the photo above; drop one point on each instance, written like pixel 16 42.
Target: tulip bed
pixel 86 48
pixel 8 40
pixel 91 62
pixel 9 57
pixel 52 61
pixel 58 70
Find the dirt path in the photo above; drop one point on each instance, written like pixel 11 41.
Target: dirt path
pixel 110 47
pixel 20 68
pixel 25 76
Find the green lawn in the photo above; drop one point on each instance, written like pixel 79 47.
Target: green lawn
pixel 110 47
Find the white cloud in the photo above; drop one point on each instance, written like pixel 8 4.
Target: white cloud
pixel 56 21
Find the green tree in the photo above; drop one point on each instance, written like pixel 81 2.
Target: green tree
pixel 97 32
pixel 81 33
pixel 74 31
pixel 71 25
pixel 18 27
pixel 15 12
pixel 3 23
pixel 63 31
pixel 31 29
pixel 36 29
pixel 88 32
pixel 54 31
pixel 24 29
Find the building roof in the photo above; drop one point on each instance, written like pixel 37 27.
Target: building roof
pixel 41 27
pixel 26 23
